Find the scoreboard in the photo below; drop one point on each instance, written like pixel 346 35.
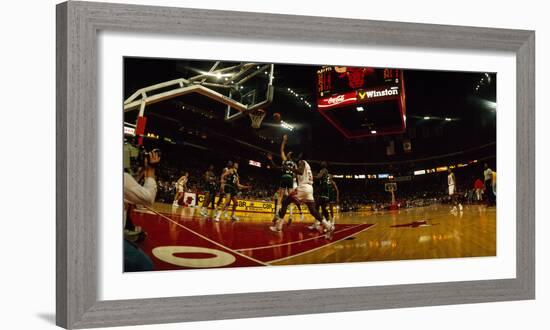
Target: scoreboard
pixel 362 101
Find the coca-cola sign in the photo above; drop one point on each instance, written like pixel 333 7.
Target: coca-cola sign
pixel 337 100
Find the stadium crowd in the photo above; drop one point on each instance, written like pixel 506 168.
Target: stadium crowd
pixel 354 193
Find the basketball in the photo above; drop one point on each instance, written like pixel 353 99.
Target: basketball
pixel 277 117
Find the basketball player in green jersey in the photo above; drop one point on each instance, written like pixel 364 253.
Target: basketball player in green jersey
pixel 287 181
pixel 210 190
pixel 231 188
pixel 222 184
pixel 324 191
pixel 334 198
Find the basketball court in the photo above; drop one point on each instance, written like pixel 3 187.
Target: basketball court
pixel 394 151
pixel 178 238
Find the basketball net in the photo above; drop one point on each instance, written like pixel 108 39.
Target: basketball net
pixel 256 117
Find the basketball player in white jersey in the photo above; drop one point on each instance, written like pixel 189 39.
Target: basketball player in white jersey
pixel 181 187
pixel 303 194
pixel 451 181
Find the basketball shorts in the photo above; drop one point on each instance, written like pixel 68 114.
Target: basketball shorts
pixel 180 188
pixel 452 189
pixel 303 193
pixel 286 181
pixel 230 190
pixel 211 188
pixel 331 196
pixel 324 193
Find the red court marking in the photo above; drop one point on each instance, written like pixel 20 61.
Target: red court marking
pixel 251 242
pixel 333 240
pixel 163 231
pixel 296 242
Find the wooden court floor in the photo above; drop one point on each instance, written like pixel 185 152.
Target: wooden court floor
pixel 179 238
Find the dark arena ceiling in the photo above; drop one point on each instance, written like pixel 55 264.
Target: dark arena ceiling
pixel 449 115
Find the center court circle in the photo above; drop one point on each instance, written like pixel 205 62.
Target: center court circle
pixel 167 254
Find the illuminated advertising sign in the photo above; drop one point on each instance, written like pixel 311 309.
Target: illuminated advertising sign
pixel 383 176
pixel 441 169
pixel 362 101
pixel 253 206
pixel 129 131
pixel 337 100
pixel 420 172
pixel 254 163
pixel 380 93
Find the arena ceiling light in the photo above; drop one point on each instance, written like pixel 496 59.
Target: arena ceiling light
pixel 427 117
pixel 287 126
pixel 489 104
pixel 360 109
pixel 448 119
pixel 218 75
pixel 299 97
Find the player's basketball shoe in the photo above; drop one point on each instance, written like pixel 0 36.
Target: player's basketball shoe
pixel 460 207
pixel 314 226
pixel 327 226
pixel 217 216
pixel 204 212
pixel 278 227
pixel 235 218
pixel 175 204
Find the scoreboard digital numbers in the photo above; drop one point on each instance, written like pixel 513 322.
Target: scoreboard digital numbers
pixel 362 101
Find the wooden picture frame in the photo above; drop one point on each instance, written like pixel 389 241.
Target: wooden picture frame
pixel 78 24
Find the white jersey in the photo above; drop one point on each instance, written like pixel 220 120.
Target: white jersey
pixel 306 178
pixel 488 174
pixel 451 179
pixel 182 181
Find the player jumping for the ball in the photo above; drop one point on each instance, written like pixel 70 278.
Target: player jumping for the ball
pixel 302 194
pixel 287 181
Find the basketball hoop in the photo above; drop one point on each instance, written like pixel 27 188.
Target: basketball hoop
pixel 390 186
pixel 256 117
